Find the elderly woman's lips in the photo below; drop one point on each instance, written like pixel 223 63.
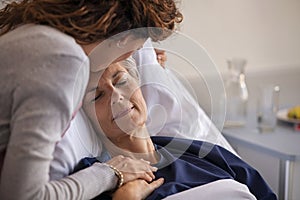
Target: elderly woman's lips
pixel 123 113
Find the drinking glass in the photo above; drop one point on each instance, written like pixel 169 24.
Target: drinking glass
pixel 267 107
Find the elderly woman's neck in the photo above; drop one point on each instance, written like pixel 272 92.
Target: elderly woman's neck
pixel 137 145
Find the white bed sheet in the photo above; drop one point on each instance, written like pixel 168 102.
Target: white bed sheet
pixel 225 189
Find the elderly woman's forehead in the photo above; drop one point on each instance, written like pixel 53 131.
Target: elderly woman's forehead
pixel 110 68
pixel 113 68
pixel 125 65
pixel 116 66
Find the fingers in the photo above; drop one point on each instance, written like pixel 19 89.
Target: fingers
pixel 155 184
pixel 151 175
pixel 133 169
pixel 149 188
pixel 161 56
pixel 147 172
pixel 128 165
pixel 147 177
pixel 162 59
pixel 150 168
pixel 137 189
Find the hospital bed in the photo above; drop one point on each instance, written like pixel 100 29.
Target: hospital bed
pixel 172 110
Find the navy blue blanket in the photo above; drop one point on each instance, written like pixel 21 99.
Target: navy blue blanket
pixel 186 164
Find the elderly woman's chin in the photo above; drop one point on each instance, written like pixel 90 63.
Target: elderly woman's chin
pixel 132 126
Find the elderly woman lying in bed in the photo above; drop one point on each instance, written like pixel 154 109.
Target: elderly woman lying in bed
pixel 117 108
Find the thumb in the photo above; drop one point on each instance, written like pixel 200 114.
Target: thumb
pixel 152 186
pixel 157 183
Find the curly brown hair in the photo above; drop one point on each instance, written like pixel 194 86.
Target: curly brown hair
pixel 89 21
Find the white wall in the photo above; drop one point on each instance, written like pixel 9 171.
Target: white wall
pixel 266 32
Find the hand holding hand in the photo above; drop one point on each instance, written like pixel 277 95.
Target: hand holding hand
pixel 133 169
pixel 136 190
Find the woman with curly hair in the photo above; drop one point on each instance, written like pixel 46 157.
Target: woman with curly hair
pixel 45 48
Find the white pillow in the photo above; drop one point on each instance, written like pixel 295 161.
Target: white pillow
pixel 79 141
pixel 172 110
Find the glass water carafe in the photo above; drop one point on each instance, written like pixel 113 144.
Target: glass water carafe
pixel 236 93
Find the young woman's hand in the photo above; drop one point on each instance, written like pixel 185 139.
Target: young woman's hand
pixel 137 189
pixel 133 169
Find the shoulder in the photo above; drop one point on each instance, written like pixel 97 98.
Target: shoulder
pixel 40 39
pixel 45 56
pixel 44 66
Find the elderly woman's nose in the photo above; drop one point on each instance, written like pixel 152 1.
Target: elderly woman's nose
pixel 116 96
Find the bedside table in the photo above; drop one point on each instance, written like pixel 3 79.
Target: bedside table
pixel 282 144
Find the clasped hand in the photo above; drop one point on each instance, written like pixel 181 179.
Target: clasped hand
pixel 138 178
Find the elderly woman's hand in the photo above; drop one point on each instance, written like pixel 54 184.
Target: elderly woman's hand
pixel 133 169
pixel 161 57
pixel 136 190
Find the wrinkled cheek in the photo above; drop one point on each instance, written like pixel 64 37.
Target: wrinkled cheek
pixel 126 124
pixel 139 120
pixel 101 120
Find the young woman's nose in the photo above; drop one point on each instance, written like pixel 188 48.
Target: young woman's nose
pixel 116 97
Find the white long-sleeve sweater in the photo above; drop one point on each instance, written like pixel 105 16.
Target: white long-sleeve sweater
pixel 43 76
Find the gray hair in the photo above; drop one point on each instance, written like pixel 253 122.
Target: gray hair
pixel 131 67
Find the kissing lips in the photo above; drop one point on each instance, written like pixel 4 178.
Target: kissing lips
pixel 123 113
